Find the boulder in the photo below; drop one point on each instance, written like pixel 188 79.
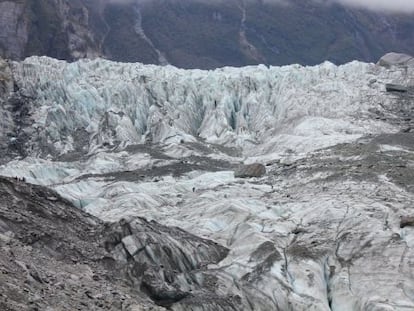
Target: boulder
pixel 251 170
pixel 396 59
pixel 407 221
pixel 396 88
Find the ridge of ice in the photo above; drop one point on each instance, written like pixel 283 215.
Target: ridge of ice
pixel 134 103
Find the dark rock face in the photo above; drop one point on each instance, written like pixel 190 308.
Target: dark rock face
pixel 52 254
pixel 14 29
pixel 6 79
pixel 251 170
pixel 15 111
pixel 200 34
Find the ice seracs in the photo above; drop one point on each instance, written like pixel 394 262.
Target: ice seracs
pixel 133 103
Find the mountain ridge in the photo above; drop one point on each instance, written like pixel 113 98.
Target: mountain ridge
pixel 198 34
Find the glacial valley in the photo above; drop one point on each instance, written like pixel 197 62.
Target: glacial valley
pixel 136 204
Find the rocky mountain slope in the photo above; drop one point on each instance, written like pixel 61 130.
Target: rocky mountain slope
pixel 201 34
pixel 324 223
pixel 54 256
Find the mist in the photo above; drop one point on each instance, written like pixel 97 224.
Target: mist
pixel 403 6
pixel 393 6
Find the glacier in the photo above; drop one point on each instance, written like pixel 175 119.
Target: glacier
pixel 320 231
pixel 133 103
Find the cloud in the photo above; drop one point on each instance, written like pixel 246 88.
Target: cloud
pixel 382 5
pixel 122 1
pixel 394 6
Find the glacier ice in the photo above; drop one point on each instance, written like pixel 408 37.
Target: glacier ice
pixel 114 103
pixel 320 231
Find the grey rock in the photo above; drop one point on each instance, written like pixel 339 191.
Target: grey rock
pixel 67 258
pixel 162 260
pixel 396 59
pixel 251 170
pixel 6 79
pixel 396 88
pixel 407 221
pixel 14 29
